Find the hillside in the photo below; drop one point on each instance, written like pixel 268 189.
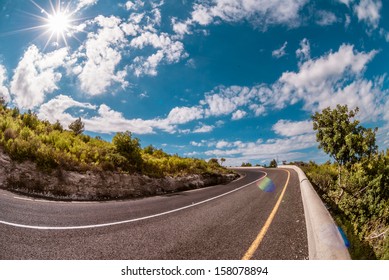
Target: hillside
pixel 41 158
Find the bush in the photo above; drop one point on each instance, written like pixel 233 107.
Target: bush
pixel 25 137
pixel 362 202
pixel 129 148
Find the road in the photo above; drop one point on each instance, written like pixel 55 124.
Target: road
pixel 234 221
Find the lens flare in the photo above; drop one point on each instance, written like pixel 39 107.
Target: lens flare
pixel 345 240
pixel 57 23
pixel 266 185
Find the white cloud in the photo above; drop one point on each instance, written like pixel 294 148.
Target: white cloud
pixel 278 53
pixel 325 18
pixel 223 144
pixel 181 28
pixel 369 11
pixel 84 4
pixel 36 75
pixel 326 82
pixel 168 50
pixel 55 109
pixel 203 128
pixel 102 52
pixel 290 128
pixel 4 92
pixel 106 120
pixel 196 144
pixel 202 14
pixel 258 109
pixel 239 114
pixel 259 149
pixel 182 115
pixel 347 21
pixel 134 5
pixel 346 2
pixel 260 13
pixel 304 52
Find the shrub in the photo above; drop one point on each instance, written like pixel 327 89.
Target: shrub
pixel 9 133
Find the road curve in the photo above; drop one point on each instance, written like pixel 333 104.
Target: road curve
pixel 219 222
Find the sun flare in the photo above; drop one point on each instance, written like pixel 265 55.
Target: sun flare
pixel 58 22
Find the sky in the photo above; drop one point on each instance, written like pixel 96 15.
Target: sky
pixel 237 79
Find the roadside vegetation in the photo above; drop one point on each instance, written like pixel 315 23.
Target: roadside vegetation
pixel 356 186
pixel 51 146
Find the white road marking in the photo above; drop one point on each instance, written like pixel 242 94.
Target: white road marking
pixel 54 201
pixel 128 221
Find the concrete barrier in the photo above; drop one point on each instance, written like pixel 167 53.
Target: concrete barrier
pixel 325 242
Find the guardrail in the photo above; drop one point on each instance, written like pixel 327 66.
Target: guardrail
pixel 325 242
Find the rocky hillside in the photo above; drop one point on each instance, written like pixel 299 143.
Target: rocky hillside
pixel 28 179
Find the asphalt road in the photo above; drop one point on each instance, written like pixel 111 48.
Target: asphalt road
pixel 234 221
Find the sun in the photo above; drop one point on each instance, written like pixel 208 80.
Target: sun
pixel 58 22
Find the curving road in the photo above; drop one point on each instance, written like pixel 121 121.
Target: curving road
pixel 234 221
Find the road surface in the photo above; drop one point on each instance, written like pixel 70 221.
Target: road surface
pixel 239 220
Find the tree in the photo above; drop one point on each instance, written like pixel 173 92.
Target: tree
pixel 213 161
pixel 58 126
pixel 341 136
pixel 77 126
pixel 222 160
pixel 273 163
pixel 129 148
pixel 3 103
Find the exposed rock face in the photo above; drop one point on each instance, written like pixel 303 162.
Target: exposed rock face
pixel 67 185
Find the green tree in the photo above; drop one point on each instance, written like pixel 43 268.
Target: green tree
pixel 340 135
pixel 222 160
pixel 273 163
pixel 58 126
pixel 129 148
pixel 3 103
pixel 214 161
pixel 77 126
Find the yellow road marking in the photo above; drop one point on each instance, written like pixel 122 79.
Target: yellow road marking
pixel 254 246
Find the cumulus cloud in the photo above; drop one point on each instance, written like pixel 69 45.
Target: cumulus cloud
pixel 4 92
pixel 278 53
pixel 369 12
pixel 106 120
pixel 134 5
pixel 182 115
pixel 328 81
pixel 168 50
pixel 55 109
pixel 239 114
pixel 101 55
pixel 291 128
pixel 36 75
pixel 203 128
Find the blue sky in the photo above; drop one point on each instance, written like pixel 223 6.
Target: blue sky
pixel 237 79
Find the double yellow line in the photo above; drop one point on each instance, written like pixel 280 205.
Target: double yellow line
pixel 254 246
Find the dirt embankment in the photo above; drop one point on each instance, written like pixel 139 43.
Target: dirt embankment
pixel 26 178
